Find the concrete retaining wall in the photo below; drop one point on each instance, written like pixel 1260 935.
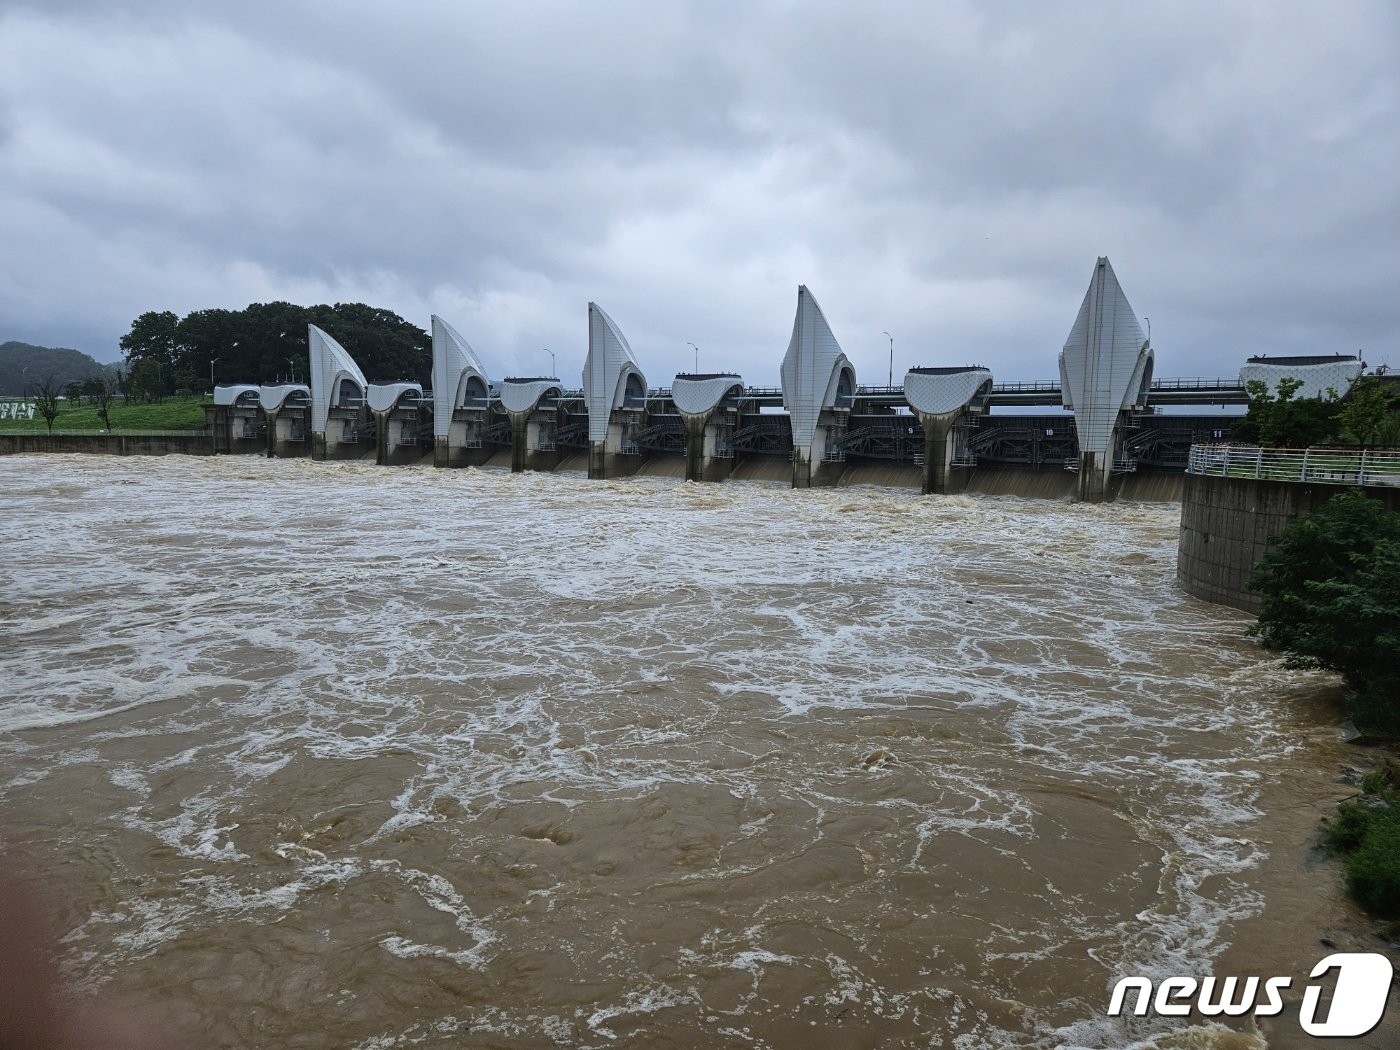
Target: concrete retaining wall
pixel 1226 524
pixel 110 444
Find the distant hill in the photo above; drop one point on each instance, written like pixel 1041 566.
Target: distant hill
pixel 66 366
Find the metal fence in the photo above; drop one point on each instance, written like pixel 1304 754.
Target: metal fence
pixel 1324 466
pixel 120 432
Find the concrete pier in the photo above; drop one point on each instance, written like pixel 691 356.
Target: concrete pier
pixel 287 410
pixel 532 403
pixel 946 401
pixel 347 434
pixel 402 422
pixel 709 405
pixel 235 420
pixel 465 443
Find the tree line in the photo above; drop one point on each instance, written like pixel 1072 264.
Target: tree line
pixel 1368 416
pixel 1330 600
pixel 263 343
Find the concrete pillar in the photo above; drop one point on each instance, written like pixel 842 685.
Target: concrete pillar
pixel 938 452
pixel 318 447
pixel 1095 483
pixel 801 469
pixel 702 438
pixel 525 452
pixel 809 466
pixel 695 428
pixel 941 434
pixel 605 458
pixel 382 448
pixel 519 441
pixel 216 421
pixel 450 449
pixel 598 459
pixel 280 425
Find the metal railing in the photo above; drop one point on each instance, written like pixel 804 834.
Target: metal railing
pixel 1221 383
pixel 1324 466
pixel 120 432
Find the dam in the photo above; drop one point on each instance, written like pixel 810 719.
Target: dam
pixel 1108 427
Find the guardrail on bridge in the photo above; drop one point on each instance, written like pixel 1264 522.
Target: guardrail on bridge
pixel 1324 466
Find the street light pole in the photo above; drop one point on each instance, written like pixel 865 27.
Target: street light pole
pixel 553 368
pixel 891 339
pixel 211 372
pixel 697 356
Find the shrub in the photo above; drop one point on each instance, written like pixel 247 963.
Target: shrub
pixel 1330 589
pixel 1367 835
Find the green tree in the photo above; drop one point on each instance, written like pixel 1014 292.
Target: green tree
pixel 147 381
pixel 153 340
pixel 209 336
pixel 44 394
pixel 268 341
pixel 1283 420
pixel 1370 414
pixel 386 347
pixel 104 391
pixel 272 341
pixel 1330 590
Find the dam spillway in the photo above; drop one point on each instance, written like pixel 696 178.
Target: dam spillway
pixel 947 421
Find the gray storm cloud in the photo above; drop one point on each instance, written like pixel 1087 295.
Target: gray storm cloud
pixel 948 173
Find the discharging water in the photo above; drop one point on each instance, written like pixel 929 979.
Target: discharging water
pixel 336 755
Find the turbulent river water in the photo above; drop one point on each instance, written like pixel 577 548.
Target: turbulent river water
pixel 335 755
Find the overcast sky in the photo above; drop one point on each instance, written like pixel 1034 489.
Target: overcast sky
pixel 947 172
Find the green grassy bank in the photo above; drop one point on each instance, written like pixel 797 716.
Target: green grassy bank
pixel 170 414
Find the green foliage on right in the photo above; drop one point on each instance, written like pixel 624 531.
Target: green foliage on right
pixel 1330 588
pixel 1368 416
pixel 1281 420
pixel 1366 833
pixel 1370 413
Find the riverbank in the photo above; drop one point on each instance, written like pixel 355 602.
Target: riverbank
pixel 170 414
pixel 1306 913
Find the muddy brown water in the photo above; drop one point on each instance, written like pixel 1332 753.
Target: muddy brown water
pixel 332 755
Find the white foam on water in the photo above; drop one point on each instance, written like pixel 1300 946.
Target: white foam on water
pixel 635 1002
pixel 498 639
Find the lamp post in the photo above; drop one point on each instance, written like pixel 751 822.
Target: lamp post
pixel 891 339
pixel 697 356
pixel 553 368
pixel 211 372
pixel 292 370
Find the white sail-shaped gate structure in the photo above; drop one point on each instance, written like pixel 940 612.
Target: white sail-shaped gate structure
pixel 1105 368
pixel 611 381
pixel 610 375
pixel 459 378
pixel 334 377
pixel 817 376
